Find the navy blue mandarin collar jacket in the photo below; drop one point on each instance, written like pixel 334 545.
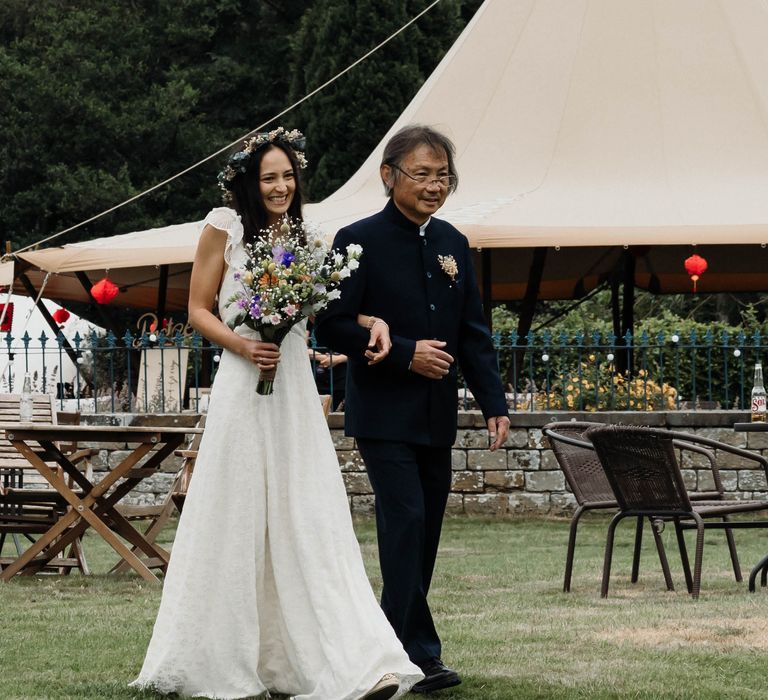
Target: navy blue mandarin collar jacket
pixel 400 280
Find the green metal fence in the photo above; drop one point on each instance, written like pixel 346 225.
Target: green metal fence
pixel 158 373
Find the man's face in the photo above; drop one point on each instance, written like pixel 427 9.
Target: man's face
pixel 418 201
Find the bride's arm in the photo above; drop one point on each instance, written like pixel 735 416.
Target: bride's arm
pixel 207 272
pixel 380 343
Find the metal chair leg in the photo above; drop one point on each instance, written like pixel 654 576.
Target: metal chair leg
pixel 683 555
pixel 571 548
pixel 760 568
pixel 698 556
pixel 638 547
pixel 662 555
pixel 609 554
pixel 732 550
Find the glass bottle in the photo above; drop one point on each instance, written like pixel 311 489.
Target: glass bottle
pixel 25 404
pixel 758 396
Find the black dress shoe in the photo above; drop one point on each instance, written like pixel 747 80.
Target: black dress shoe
pixel 436 677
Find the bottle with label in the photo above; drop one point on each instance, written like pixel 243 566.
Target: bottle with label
pixel 758 396
pixel 25 404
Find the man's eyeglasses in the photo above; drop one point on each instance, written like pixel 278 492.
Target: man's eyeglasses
pixel 445 181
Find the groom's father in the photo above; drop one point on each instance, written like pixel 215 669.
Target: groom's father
pixel 416 275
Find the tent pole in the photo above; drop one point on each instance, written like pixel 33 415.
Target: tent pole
pixel 615 307
pixel 616 317
pixel 528 306
pixel 485 257
pixel 27 283
pixel 106 321
pixel 628 302
pixel 162 292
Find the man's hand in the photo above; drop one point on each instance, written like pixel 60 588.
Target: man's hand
pixel 429 360
pixel 498 429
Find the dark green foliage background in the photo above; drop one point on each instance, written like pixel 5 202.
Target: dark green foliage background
pixel 102 99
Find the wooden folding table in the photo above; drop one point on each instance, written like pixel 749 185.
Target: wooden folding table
pixel 93 504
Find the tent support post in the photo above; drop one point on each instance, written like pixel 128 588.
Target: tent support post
pixel 162 291
pixel 628 303
pixel 49 319
pixel 615 307
pixel 528 306
pixel 623 312
pixel 106 321
pixel 485 257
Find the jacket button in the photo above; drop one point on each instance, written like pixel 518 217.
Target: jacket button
pixel 432 306
pixel 429 275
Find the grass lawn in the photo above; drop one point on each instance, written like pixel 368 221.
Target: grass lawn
pixel 506 625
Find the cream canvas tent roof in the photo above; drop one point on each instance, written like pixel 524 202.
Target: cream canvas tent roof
pixel 587 125
pixel 597 122
pixel 132 261
pixel 600 124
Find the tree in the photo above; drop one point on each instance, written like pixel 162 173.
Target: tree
pixel 102 101
pixel 345 121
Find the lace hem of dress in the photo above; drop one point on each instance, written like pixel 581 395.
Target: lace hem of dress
pixel 173 685
pixel 228 220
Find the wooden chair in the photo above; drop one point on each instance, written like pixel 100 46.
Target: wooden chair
pixel 642 467
pixel 156 516
pixel 29 506
pixel 326 401
pixel 189 456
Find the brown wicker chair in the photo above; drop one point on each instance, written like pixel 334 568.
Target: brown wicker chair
pixel 590 487
pixel 642 467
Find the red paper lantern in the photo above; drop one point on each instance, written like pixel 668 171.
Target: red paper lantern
pixel 695 266
pixel 61 316
pixel 104 291
pixel 8 320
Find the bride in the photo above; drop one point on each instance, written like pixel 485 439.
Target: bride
pixel 266 590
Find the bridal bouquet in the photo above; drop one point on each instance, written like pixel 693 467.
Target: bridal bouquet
pixel 290 274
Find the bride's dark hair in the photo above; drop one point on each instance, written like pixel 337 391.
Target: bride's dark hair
pixel 246 193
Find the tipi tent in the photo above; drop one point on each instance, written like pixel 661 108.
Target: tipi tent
pixel 584 126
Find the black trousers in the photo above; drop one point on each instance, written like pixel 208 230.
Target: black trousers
pixel 411 483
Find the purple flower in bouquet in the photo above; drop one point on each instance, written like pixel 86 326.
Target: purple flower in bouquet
pixel 254 310
pixel 281 256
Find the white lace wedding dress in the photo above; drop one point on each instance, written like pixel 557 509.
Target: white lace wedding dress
pixel 266 589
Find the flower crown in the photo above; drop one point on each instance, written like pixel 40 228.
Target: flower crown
pixel 240 161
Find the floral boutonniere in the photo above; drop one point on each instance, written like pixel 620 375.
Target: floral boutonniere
pixel 449 266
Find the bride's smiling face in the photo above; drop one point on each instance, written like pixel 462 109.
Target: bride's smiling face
pixel 277 183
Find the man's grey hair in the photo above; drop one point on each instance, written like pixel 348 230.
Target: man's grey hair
pixel 410 138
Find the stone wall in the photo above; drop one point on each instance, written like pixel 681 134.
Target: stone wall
pixel 522 478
